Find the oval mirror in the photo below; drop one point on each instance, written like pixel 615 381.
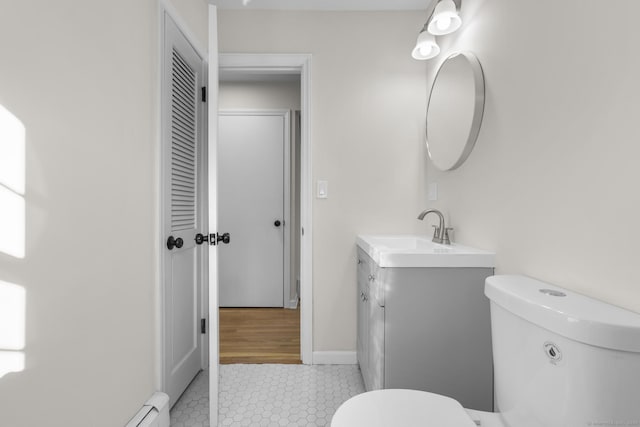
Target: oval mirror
pixel 455 109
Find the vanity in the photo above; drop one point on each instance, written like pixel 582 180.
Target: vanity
pixel 423 319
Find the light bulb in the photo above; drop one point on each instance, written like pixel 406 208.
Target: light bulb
pixel 426 47
pixel 443 23
pixel 426 50
pixel 445 18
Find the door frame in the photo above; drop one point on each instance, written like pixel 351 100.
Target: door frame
pixel 286 187
pixel 287 64
pixel 166 8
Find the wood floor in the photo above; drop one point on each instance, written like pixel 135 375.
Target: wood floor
pixel 259 335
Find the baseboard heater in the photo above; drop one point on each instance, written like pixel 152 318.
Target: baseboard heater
pixel 154 413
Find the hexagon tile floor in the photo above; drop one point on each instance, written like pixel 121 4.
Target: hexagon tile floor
pixel 271 395
pixel 192 409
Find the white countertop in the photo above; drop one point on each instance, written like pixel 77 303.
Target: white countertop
pixel 419 251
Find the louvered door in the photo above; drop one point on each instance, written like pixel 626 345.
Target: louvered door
pixel 182 204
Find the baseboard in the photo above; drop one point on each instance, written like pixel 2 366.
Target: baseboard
pixel 334 358
pixel 292 304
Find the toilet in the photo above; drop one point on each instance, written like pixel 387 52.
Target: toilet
pixel 561 359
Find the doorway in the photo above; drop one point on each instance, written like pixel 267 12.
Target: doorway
pixel 258 173
pixel 280 68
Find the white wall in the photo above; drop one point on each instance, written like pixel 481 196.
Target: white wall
pixel 273 95
pixel 552 185
pixel 368 102
pixel 259 95
pixel 82 77
pixel 195 16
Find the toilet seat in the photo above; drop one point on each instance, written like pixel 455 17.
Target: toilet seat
pixel 401 408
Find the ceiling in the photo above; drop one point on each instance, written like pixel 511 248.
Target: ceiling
pixel 323 4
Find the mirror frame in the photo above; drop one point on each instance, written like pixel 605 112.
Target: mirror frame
pixel 478 111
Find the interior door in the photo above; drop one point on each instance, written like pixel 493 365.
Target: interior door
pixel 251 152
pixel 212 192
pixel 183 201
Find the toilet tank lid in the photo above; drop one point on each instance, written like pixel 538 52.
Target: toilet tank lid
pixel 566 313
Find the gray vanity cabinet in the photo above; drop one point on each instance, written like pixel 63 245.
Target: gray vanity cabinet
pixel 425 329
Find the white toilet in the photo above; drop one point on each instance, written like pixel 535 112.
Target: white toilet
pixel 560 360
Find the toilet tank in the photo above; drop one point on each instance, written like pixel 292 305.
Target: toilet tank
pixel 562 359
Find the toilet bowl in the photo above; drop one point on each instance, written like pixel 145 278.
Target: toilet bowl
pixel 407 408
pixel 560 359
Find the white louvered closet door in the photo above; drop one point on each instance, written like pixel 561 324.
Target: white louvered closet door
pixel 183 211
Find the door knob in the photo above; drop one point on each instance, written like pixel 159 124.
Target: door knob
pixel 277 223
pixel 201 238
pixel 224 238
pixel 174 243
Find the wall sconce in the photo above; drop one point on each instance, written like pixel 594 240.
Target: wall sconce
pixel 444 19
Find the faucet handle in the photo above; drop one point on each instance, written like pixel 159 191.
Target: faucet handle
pixel 445 239
pixel 436 232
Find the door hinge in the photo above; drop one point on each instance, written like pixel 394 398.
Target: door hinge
pixel 204 93
pixel 203 326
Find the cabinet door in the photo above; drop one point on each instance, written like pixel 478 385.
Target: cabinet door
pixel 376 342
pixel 371 322
pixel 363 330
pixel 438 333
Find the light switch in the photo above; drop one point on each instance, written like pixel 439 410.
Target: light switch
pixel 433 192
pixel 323 189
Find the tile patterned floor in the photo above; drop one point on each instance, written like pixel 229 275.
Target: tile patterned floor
pixel 270 395
pixel 285 395
pixel 192 409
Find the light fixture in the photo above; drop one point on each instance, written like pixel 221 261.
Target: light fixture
pixel 445 18
pixel 426 46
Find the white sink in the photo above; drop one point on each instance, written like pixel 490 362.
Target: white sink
pixel 420 251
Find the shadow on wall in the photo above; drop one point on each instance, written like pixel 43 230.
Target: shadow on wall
pixel 12 240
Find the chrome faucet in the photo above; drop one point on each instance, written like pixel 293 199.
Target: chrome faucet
pixel 441 233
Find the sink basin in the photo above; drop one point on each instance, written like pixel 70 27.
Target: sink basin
pixel 420 251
